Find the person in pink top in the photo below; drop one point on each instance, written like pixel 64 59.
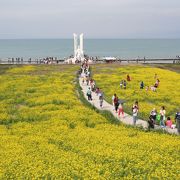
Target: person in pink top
pixel 169 122
pixel 121 111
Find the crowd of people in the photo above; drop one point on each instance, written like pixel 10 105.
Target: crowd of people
pixel 160 118
pixel 87 80
pixel 124 83
pixel 155 117
pixel 21 60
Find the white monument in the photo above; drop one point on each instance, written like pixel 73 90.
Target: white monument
pixel 78 49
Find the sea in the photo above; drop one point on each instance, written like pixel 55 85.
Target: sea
pixel 63 48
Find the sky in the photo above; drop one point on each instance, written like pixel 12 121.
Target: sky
pixel 95 18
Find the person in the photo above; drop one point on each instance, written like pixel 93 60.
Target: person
pixel 177 118
pixel 169 122
pixel 125 84
pixel 135 110
pixel 142 85
pixel 121 84
pixel 89 94
pixel 121 111
pixel 82 77
pixel 97 91
pixel 157 83
pixel 116 102
pixel 128 78
pixel 87 80
pixel 147 88
pixel 151 122
pixel 92 84
pixel 88 74
pixel 144 59
pixel 162 114
pixel 113 100
pixel 101 99
pixel 153 88
pixel 153 113
pixel 136 104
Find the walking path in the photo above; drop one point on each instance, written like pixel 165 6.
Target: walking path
pixel 128 119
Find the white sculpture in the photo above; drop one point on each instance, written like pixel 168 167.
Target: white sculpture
pixel 78 50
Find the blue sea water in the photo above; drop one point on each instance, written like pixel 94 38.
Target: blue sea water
pixel 122 48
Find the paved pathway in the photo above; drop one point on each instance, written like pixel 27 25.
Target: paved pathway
pixel 127 118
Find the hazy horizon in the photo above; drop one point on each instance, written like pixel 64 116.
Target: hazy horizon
pixel 90 38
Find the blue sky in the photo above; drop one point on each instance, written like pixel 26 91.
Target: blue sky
pixel 95 18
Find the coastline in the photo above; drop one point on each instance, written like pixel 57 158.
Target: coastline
pixel 124 61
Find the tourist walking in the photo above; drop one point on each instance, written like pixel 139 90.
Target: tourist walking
pixel 153 113
pixel 101 99
pixel 97 91
pixel 89 94
pixel 113 100
pixel 121 110
pixel 92 84
pixel 135 110
pixel 116 103
pixel 151 122
pixel 162 116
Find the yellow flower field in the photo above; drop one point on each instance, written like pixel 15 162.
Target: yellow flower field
pixel 108 78
pixel 47 133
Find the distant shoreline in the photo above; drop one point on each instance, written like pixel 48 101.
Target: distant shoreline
pixel 128 61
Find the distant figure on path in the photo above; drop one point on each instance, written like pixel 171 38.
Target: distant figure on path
pixel 116 102
pixel 121 111
pixel 153 113
pixel 97 91
pixel 87 80
pixel 89 94
pixel 135 110
pixel 101 99
pixel 113 100
pixel 151 122
pixel 92 84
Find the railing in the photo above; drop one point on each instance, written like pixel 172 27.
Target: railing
pixel 4 61
pixel 61 61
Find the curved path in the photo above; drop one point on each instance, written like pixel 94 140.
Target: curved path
pixel 127 118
